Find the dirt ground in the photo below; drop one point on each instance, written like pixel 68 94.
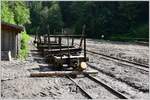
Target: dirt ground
pixel 16 83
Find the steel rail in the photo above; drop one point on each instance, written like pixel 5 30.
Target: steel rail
pixel 88 95
pixel 146 66
pixel 110 89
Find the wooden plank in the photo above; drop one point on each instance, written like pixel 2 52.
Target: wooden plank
pixel 42 43
pixel 71 57
pixel 53 46
pixel 66 49
pixel 61 73
pixel 6 44
pixel 2 40
pixel 63 51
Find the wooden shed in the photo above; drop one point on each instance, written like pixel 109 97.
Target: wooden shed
pixel 10 40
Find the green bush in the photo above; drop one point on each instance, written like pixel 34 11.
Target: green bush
pixel 23 53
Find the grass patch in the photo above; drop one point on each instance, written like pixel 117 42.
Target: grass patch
pixel 24 50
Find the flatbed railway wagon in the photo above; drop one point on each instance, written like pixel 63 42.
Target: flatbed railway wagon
pixel 64 54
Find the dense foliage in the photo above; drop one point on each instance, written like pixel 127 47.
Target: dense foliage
pixel 116 20
pixel 112 19
pixel 108 18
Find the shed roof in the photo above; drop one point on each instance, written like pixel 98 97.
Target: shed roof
pixel 11 27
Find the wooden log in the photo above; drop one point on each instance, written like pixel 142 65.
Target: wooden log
pixel 66 50
pixel 63 51
pixel 52 43
pixel 60 73
pixel 64 59
pixel 54 46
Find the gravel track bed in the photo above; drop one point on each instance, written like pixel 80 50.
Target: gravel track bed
pixel 52 88
pixel 16 83
pixel 94 89
pixel 122 87
pixel 131 76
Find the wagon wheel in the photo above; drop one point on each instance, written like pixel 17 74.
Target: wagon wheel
pixel 51 59
pixel 57 64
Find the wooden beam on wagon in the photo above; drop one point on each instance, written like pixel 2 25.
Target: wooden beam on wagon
pixel 61 73
pixel 48 37
pixel 82 37
pixel 84 48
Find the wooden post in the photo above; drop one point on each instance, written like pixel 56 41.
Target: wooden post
pixel 36 34
pixel 72 41
pixel 44 39
pixel 9 55
pixel 55 37
pixel 68 51
pixel 83 31
pixel 62 31
pixel 48 37
pixel 60 46
pixel 40 39
pixel 84 48
pixel 35 37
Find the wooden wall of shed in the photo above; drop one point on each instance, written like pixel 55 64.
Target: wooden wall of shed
pixel 9 42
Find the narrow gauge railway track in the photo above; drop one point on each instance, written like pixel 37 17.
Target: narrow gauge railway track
pixel 107 87
pixel 88 95
pixel 106 73
pixel 138 66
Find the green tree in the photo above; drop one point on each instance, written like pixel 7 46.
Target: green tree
pixel 46 13
pixel 108 18
pixel 54 17
pixel 6 13
pixel 21 12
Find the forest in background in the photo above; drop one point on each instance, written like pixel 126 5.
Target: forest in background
pixel 116 20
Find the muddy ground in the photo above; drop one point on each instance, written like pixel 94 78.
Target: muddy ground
pixel 16 83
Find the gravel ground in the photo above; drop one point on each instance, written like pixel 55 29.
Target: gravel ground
pixel 16 83
pixel 132 76
pixel 123 50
